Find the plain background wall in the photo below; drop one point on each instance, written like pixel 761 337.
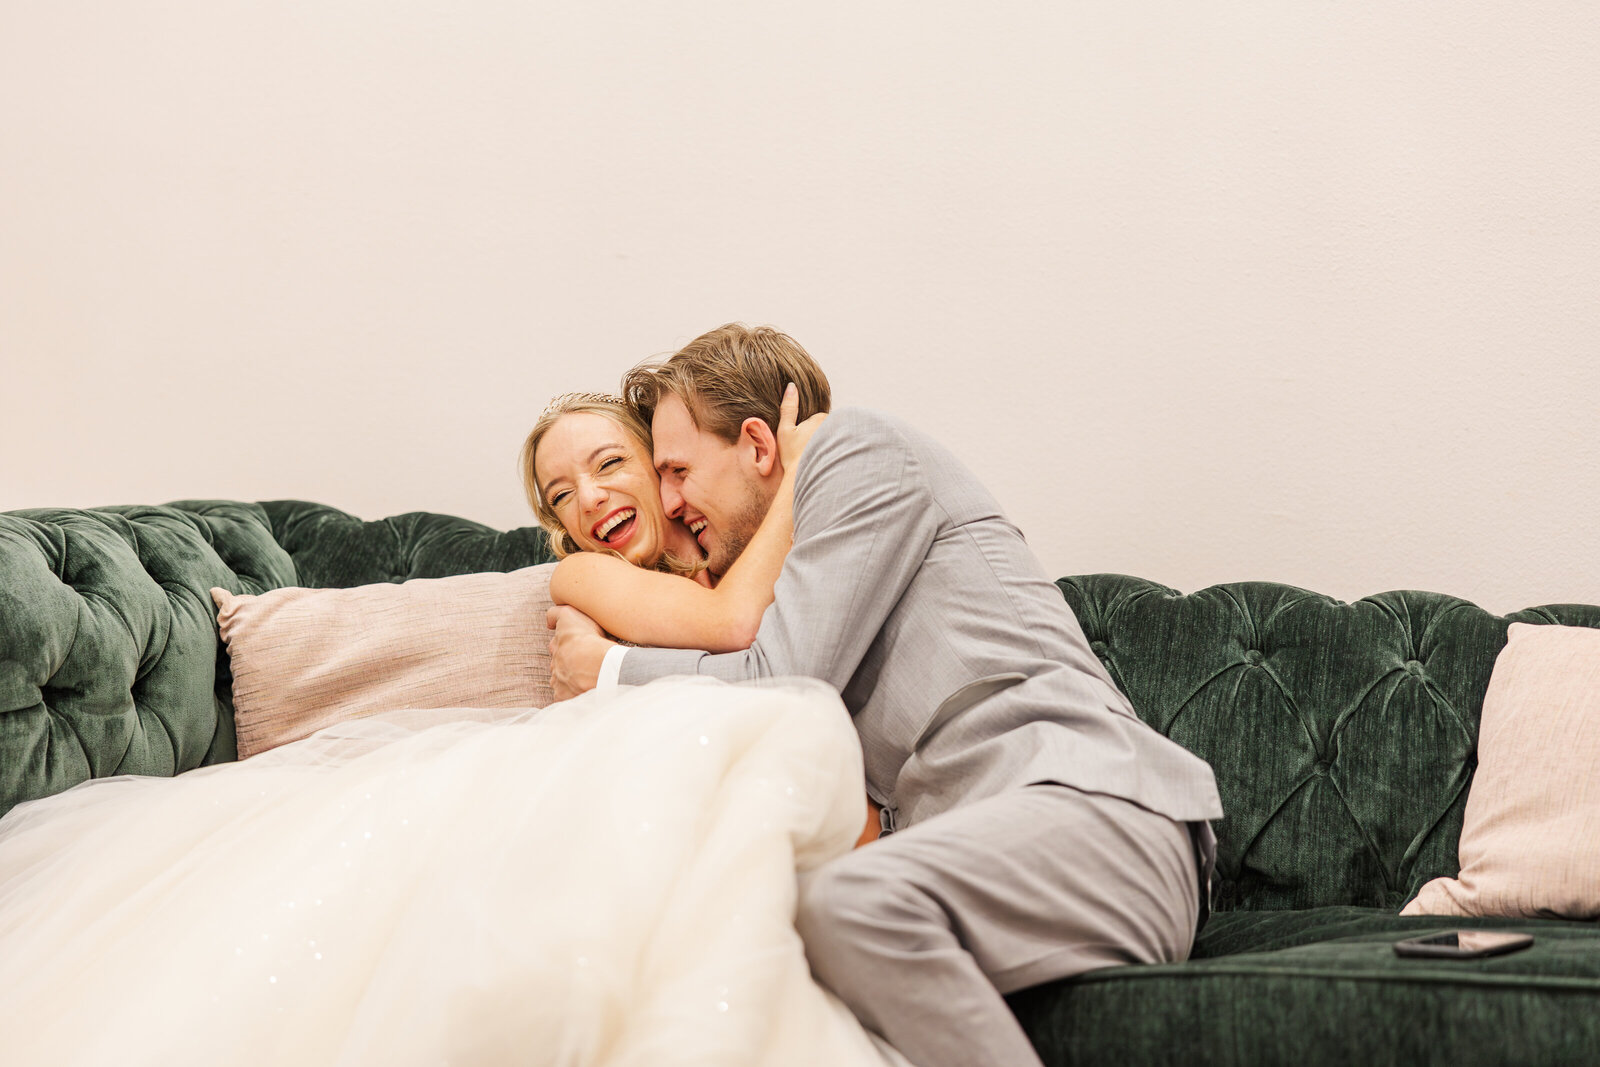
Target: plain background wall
pixel 1204 292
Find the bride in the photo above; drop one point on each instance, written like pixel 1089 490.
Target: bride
pixel 609 880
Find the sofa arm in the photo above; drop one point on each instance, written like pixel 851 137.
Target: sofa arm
pixel 109 657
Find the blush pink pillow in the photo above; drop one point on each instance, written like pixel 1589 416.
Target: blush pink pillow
pixel 1530 841
pixel 303 659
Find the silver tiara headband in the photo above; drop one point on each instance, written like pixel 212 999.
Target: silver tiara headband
pixel 566 400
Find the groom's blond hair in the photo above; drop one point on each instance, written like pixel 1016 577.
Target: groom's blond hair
pixel 728 375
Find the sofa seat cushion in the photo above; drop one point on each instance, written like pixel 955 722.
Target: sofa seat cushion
pixel 1233 932
pixel 1323 986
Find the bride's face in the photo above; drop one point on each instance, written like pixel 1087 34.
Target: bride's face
pixel 600 483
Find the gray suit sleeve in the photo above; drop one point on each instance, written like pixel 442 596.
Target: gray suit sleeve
pixel 864 520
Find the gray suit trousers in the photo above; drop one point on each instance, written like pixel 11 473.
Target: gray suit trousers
pixel 921 932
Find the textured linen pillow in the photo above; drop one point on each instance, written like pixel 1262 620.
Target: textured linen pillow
pixel 1530 840
pixel 307 658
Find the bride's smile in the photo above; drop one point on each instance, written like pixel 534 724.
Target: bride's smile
pixel 600 485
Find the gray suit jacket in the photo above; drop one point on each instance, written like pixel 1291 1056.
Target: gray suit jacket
pixel 911 594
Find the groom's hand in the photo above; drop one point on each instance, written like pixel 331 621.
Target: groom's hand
pixel 577 649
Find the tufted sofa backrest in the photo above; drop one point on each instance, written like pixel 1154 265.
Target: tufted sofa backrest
pixel 335 550
pixel 1343 736
pixel 110 662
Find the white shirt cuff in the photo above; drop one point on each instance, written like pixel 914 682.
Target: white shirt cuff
pixel 611 669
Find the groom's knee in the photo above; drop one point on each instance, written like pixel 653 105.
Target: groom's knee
pixel 854 908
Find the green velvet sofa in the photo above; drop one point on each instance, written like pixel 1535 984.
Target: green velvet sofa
pixel 1343 738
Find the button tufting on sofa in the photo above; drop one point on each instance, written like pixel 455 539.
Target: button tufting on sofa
pixel 107 621
pixel 109 657
pixel 1339 691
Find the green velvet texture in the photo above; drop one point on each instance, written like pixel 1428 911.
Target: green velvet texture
pixel 333 550
pixel 1343 736
pixel 1234 932
pixel 108 638
pixel 1324 987
pixel 110 661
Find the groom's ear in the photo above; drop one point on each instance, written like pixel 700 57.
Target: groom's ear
pixel 757 440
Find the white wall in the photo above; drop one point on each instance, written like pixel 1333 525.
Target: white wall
pixel 1205 292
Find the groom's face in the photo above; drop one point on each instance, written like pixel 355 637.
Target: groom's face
pixel 711 485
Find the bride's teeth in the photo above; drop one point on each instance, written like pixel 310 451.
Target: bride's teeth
pixel 616 520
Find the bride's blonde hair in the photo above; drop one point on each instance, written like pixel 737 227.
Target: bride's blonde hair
pixel 612 407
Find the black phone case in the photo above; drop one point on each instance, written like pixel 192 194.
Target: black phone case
pixel 1417 948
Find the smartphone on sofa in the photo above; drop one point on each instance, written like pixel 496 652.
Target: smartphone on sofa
pixel 1463 944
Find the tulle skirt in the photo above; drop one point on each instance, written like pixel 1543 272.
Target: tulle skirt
pixel 610 880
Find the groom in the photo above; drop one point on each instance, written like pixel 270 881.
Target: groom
pixel 1034 827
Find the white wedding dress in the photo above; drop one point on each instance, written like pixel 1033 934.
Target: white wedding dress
pixel 610 880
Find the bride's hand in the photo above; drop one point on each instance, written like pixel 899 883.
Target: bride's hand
pixel 792 439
